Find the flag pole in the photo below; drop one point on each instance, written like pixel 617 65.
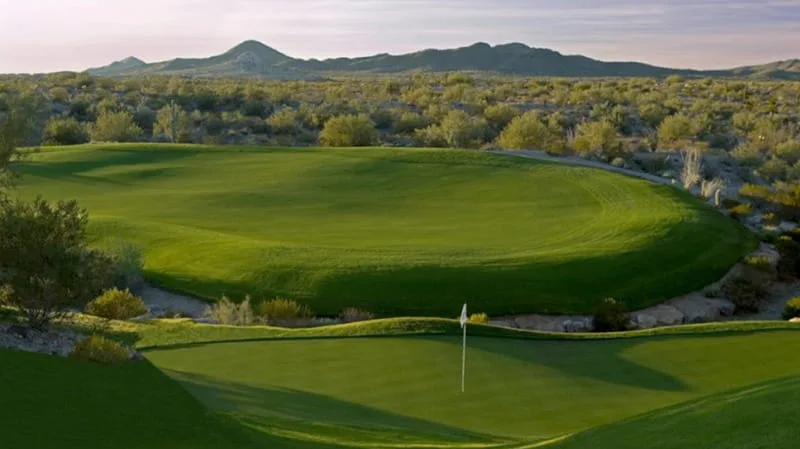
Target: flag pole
pixel 464 357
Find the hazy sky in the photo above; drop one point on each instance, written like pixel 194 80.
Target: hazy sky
pixel 49 35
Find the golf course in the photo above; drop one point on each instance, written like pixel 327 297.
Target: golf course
pixel 396 232
pixel 395 384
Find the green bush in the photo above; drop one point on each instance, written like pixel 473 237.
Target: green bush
pixel 730 203
pixel 115 127
pixel 792 309
pixel 348 131
pixel 64 131
pixel 759 263
pixel 611 316
pixel 284 312
pixel 479 318
pixel 115 304
pixel 746 294
pixel 352 315
pixel 760 194
pixel 99 349
pixel 742 210
pixel 771 218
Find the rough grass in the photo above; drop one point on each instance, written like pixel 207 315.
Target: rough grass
pixel 393 232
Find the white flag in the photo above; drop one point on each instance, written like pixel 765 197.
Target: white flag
pixel 463 319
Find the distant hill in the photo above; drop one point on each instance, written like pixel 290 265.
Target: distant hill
pixel 252 59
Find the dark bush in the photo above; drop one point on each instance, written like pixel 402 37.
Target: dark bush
pixel 611 316
pixel 64 131
pixel 746 294
pixel 789 262
pixel 792 309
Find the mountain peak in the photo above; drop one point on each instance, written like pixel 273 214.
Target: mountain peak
pixel 262 53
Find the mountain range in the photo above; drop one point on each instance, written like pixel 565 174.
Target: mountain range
pixel 252 59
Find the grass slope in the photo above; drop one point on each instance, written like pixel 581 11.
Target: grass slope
pixel 396 232
pixel 48 402
pixel 403 391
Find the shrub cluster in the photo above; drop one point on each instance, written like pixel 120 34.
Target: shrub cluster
pixel 99 349
pixel 792 309
pixel 479 318
pixel 285 313
pixel 352 315
pixel 115 304
pixel 229 313
pixel 746 294
pixel 611 316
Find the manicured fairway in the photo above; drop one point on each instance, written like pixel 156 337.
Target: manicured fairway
pixel 395 232
pixel 403 392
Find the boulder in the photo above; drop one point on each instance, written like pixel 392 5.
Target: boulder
pixel 640 320
pixel 698 309
pixel 795 320
pixel 664 315
pixel 787 226
pixel 725 307
pixel 578 324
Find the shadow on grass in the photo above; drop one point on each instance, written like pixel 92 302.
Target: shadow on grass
pixel 599 360
pixel 692 253
pixel 304 416
pixel 758 415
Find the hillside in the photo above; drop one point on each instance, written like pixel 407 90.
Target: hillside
pixel 256 60
pixel 394 232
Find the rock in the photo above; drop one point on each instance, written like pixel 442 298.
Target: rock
pixel 503 323
pixel 786 226
pixel 725 307
pixel 539 323
pixel 663 315
pixel 698 309
pixel 795 320
pixel 578 324
pixel 640 320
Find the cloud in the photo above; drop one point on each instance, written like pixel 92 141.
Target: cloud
pixel 45 35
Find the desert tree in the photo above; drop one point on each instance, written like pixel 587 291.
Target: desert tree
pixel 528 132
pixel 45 265
pixel 173 122
pixel 115 127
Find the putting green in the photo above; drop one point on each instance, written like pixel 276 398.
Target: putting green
pixel 404 392
pixel 394 232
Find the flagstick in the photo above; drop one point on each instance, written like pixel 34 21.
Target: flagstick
pixel 464 357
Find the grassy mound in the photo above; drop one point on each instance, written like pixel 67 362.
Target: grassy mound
pixel 395 232
pixel 52 403
pixel 403 391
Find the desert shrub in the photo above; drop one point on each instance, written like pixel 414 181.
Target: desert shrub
pixel 352 315
pixel 99 349
pixel 611 316
pixel 595 136
pixel 115 304
pixel 284 312
pixel 730 203
pixel 64 131
pixel 172 121
pixel 748 156
pixel 675 129
pixel 746 294
pixel 284 121
pixel 410 122
pixel 756 193
pixel 128 267
pixel 771 218
pixel 529 132
pixel 792 309
pixel 759 263
pixel 348 131
pixel 479 318
pixel 115 127
pixel 228 312
pixel 742 210
pixel 774 170
pixel 789 151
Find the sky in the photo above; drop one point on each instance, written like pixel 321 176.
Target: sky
pixel 52 35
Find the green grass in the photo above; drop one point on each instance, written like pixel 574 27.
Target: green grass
pixel 683 390
pixel 52 403
pixel 395 232
pixel 394 384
